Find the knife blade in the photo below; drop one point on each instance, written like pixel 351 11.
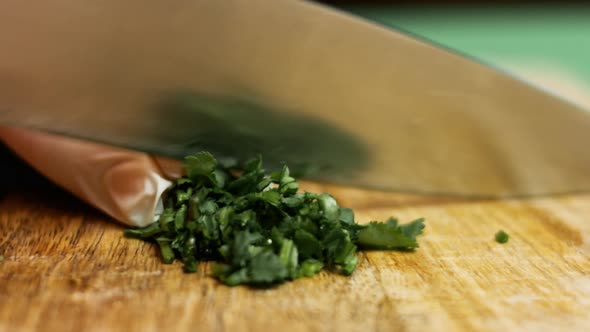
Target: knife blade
pixel 343 99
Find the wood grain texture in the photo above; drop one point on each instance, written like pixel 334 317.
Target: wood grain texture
pixel 68 268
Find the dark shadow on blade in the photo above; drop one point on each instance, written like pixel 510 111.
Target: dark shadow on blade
pixel 235 130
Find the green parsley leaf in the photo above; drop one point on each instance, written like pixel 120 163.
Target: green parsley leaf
pixel 412 229
pixel 202 165
pixel 309 268
pixel 390 235
pixel 289 258
pixel 502 237
pixel 293 201
pixel 180 217
pixel 266 267
pixel 232 279
pixel 349 264
pixel 208 207
pixel 166 250
pixel 166 219
pixel 271 197
pixel 346 216
pixel 190 266
pixel 328 206
pixel 143 233
pixel 184 195
pixel 308 245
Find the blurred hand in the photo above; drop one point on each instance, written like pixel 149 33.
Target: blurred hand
pixel 127 185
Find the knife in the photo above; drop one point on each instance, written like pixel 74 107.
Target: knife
pixel 341 99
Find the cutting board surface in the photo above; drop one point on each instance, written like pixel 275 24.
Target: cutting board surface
pixel 67 267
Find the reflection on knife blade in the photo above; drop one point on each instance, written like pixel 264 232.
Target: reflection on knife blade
pixel 426 119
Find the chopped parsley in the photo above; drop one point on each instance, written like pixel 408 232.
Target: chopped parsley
pixel 502 237
pixel 259 229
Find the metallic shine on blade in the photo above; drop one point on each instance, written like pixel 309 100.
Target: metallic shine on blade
pixel 295 81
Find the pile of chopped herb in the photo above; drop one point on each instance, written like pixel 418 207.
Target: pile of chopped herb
pixel 259 229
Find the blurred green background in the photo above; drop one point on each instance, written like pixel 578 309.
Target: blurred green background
pixel 507 34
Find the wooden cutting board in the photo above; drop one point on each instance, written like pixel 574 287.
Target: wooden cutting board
pixel 67 268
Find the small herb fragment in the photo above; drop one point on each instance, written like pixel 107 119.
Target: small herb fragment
pixel 259 229
pixel 502 237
